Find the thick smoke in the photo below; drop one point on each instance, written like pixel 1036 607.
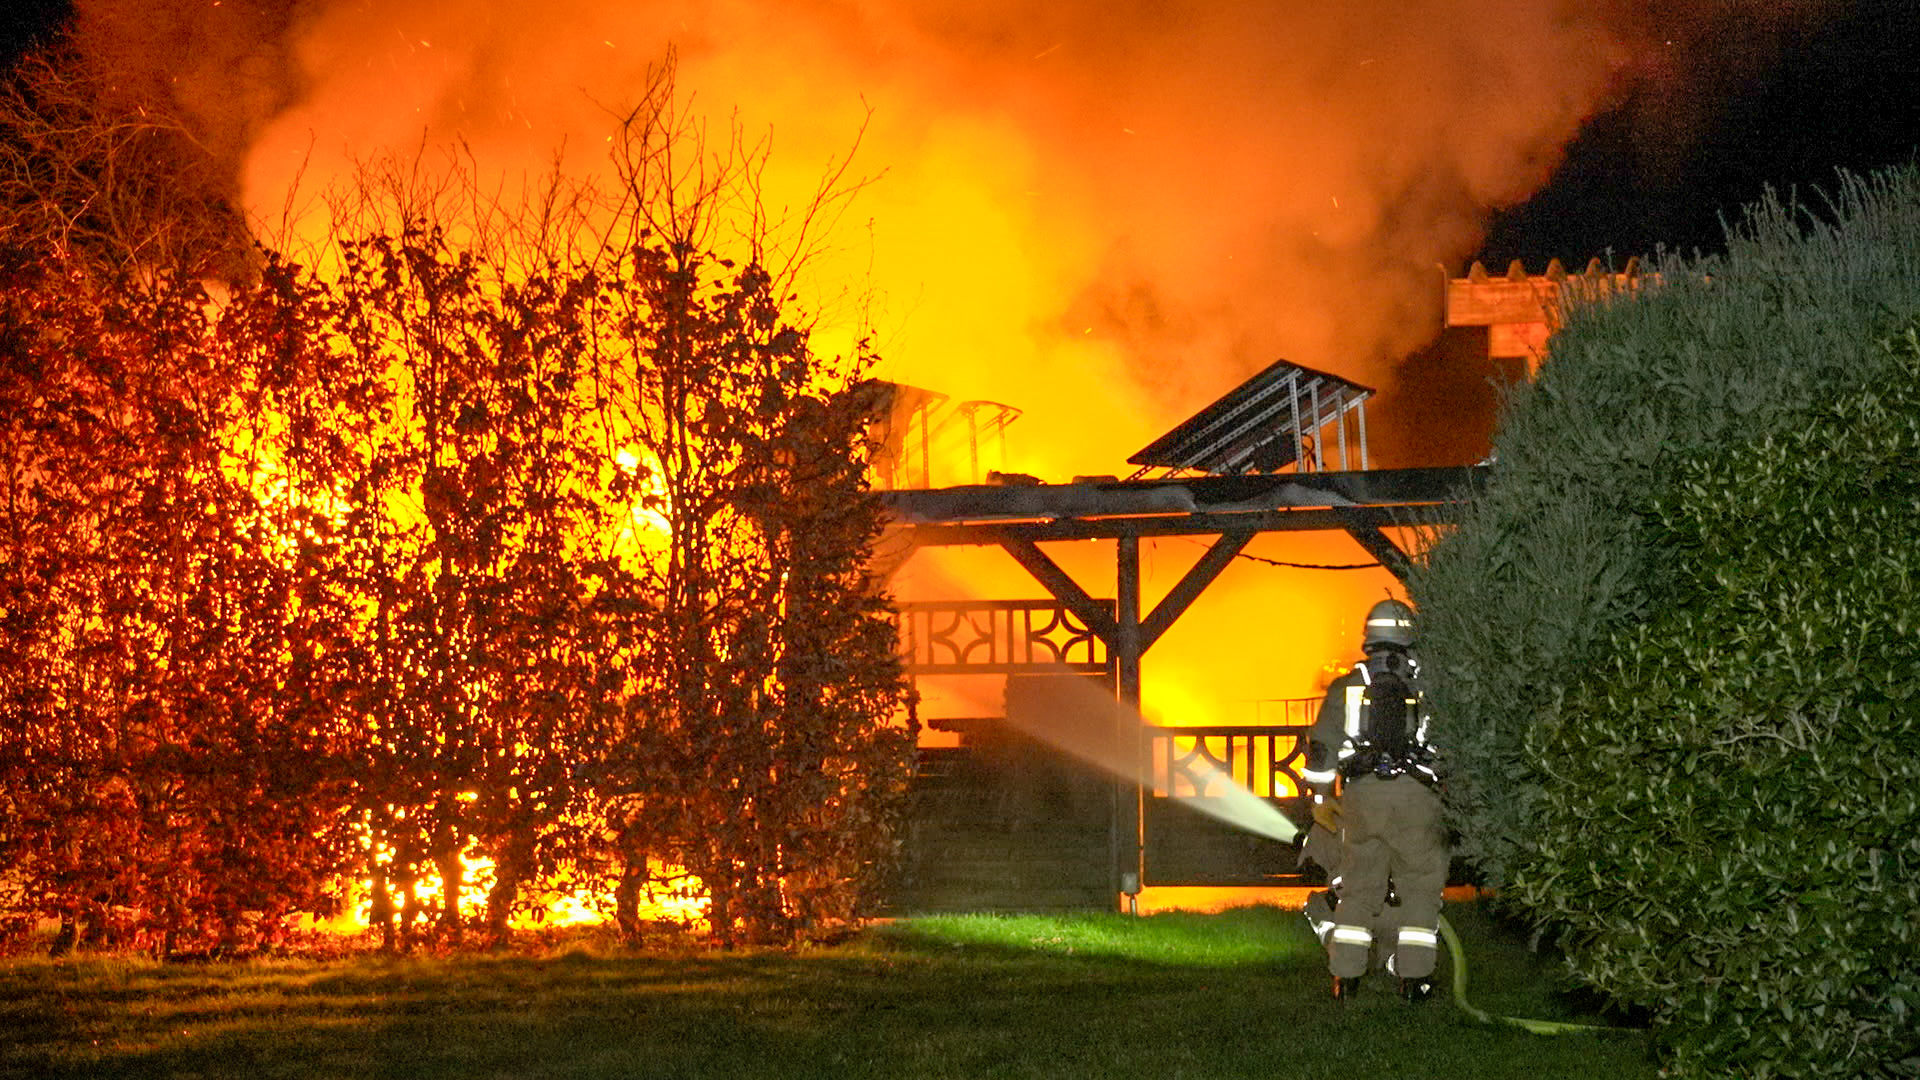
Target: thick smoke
pixel 1105 214
pixel 1111 211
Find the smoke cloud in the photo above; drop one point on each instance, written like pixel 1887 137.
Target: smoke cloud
pixel 1105 214
pixel 1112 211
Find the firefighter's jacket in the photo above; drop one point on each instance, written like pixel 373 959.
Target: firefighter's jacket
pixel 1339 732
pixel 1389 832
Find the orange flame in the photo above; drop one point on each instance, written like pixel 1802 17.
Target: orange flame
pixel 1104 215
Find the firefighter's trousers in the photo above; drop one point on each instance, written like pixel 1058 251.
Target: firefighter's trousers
pixel 1391 830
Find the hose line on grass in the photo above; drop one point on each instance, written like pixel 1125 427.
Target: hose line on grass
pixel 1537 1027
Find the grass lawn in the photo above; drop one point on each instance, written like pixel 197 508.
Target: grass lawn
pixel 1237 994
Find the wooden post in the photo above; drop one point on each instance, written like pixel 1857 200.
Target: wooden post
pixel 1127 647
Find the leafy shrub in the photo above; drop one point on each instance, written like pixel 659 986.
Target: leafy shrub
pixel 1671 642
pixel 341 577
pixel 1516 605
pixel 1730 814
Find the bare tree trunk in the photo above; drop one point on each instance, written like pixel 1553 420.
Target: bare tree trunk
pixel 720 908
pixel 452 880
pixel 510 869
pixel 409 909
pixel 68 937
pixel 381 908
pixel 634 875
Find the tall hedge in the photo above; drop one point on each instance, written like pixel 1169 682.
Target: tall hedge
pixel 1673 641
pixel 443 555
pixel 1729 825
pixel 1517 603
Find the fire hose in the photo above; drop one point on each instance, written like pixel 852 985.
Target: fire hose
pixel 1537 1027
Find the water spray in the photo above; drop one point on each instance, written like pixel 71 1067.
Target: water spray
pixel 1087 723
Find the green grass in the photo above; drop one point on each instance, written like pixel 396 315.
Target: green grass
pixel 1240 994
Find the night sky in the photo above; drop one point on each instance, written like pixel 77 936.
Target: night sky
pixel 1845 96
pixel 26 19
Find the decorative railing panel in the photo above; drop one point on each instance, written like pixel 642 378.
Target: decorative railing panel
pixel 1189 767
pixel 1203 761
pixel 1004 637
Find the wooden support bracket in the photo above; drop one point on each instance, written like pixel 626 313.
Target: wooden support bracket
pixel 1189 588
pixel 1064 588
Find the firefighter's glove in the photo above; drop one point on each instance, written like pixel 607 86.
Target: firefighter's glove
pixel 1326 813
pixel 1310 846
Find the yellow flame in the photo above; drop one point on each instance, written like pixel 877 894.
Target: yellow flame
pixel 560 903
pixel 648 527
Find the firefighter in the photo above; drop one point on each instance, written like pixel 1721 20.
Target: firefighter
pixel 1369 748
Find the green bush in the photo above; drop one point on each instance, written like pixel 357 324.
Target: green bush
pixel 1730 821
pixel 1672 644
pixel 1517 603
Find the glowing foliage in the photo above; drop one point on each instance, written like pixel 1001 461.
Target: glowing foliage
pixel 325 582
pixel 166 766
pixel 765 695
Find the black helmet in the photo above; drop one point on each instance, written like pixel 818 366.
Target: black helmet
pixel 1389 622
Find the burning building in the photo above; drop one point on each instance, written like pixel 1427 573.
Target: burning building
pixel 1089 219
pixel 1286 451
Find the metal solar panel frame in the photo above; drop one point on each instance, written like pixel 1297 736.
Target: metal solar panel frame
pixel 1257 426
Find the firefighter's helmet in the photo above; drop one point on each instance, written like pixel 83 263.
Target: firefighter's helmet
pixel 1389 622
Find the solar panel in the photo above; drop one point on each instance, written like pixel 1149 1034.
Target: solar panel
pixel 1280 417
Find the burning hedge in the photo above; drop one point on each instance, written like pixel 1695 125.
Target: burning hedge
pixel 544 547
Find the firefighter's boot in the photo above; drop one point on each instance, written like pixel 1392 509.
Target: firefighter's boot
pixel 1416 990
pixel 1319 911
pixel 1345 989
